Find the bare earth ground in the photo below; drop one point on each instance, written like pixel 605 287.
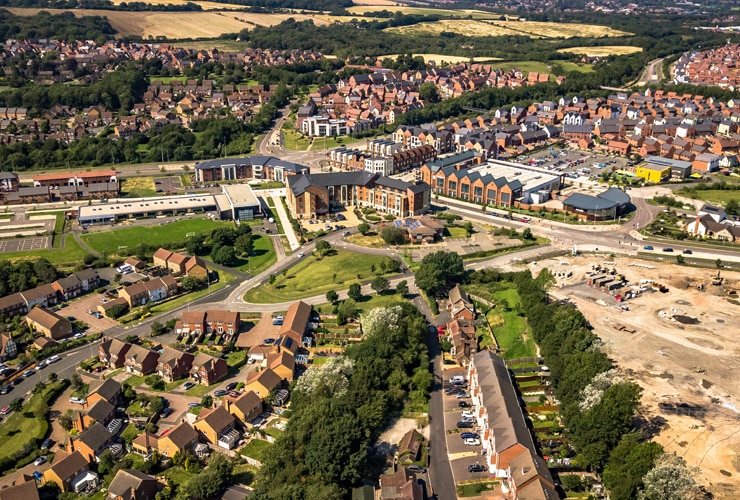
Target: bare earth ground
pixel 674 362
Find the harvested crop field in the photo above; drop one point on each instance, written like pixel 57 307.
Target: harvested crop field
pixel 502 28
pixel 438 58
pixel 203 5
pixel 360 9
pixel 606 50
pixel 176 25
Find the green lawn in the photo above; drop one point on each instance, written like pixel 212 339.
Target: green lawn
pixel 525 66
pixel 331 142
pixel 510 334
pixel 108 242
pixel 314 276
pixel 571 66
pixel 129 433
pixel 268 185
pixel 71 255
pixel 455 232
pixel 177 475
pixel 369 302
pixel 256 449
pixel 291 140
pixel 26 428
pixel 197 390
pixel 168 79
pixel 138 187
pixel 262 257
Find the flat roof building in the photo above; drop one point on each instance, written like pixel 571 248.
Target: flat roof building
pixel 108 213
pixel 242 201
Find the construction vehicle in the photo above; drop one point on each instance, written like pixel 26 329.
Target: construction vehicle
pixel 717 280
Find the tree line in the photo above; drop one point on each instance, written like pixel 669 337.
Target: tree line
pixel 64 26
pixel 100 5
pixel 25 274
pixel 340 409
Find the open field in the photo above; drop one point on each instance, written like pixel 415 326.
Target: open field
pixel 178 25
pixel 382 5
pixel 262 257
pixel 69 256
pixel 605 50
pixel 439 58
pixel 502 28
pixel 203 5
pixel 684 351
pixel 314 276
pixel 137 187
pixel 107 242
pixel 718 195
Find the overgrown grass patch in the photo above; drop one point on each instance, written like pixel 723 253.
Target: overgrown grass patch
pixel 509 327
pixel 69 255
pixel 138 187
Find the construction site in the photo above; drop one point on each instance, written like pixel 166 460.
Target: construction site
pixel 674 331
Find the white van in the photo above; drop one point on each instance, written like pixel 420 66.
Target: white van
pixel 457 379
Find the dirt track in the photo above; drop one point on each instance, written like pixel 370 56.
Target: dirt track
pixel 675 362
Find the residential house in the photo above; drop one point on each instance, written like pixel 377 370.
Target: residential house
pixel 44 296
pixel 140 360
pixel 217 427
pixel 401 485
pixel 143 292
pixel 49 323
pixel 8 347
pixel 716 213
pixel 69 287
pixel 282 363
pixel 506 439
pixel 130 484
pixel 66 467
pixel 459 304
pixel 26 490
pixel 706 227
pixel 464 340
pixel 91 442
pixel 160 257
pixel 109 390
pixel 296 321
pixel 179 439
pixel 41 343
pixel 145 443
pixel 173 364
pixel 409 447
pixel 207 369
pixel 112 352
pixel 195 267
pixel 13 305
pixel 222 322
pixel 263 382
pixel 100 411
pixel 246 407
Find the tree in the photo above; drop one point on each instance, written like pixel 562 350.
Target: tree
pixel 380 284
pixel 157 328
pixel 718 263
pixel 156 404
pixel 348 309
pixel 527 234
pixel 77 382
pixel 191 283
pixel 323 247
pixel 207 401
pixel 732 207
pixel 439 270
pixel 65 421
pixel 105 462
pixel 195 245
pixel 670 478
pixel 468 228
pixel 53 377
pixel 363 228
pixel 402 288
pixel 392 235
pixel 628 464
pixel 680 259
pixel 332 296
pixel 271 279
pixel 428 92
pixel 244 244
pixel 223 255
pixel 116 311
pixel 355 291
pixel 391 265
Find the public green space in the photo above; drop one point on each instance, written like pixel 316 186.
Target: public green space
pixel 24 430
pixel 718 196
pixel 109 242
pixel 509 327
pixel 263 255
pixel 295 141
pixel 317 275
pixel 368 302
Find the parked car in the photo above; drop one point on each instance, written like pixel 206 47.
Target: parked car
pixel 667 249
pixel 28 373
pixel 53 359
pixel 453 391
pixel 468 414
pixel 46 444
pixel 80 335
pixel 469 435
pixel 41 364
pixel 165 413
pixel 6 389
pixel 77 400
pixel 346 233
pixel 193 405
pixel 5 410
pixel 416 468
pixel 341 217
pixel 464 425
pixel 648 247
pixel 40 460
pixel 477 468
pixel 231 386
pixel 269 341
pixel 463 404
pixel 300 256
pixel 278 320
pixel 188 385
pixel 234 394
pixel 687 251
pixel 220 392
pixel 472 442
pixel 463 395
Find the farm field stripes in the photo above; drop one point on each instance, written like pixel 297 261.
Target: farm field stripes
pixel 605 50
pixel 438 58
pixel 503 28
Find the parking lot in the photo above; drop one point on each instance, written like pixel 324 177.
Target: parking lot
pixel 573 164
pixel 258 333
pixel 461 455
pixel 78 310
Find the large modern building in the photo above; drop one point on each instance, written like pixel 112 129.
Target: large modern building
pixel 605 206
pixel 243 204
pixel 57 179
pixel 268 168
pixel 108 213
pixel 493 183
pixel 315 194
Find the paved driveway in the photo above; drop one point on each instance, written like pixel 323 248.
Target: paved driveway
pixel 259 332
pixel 78 309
